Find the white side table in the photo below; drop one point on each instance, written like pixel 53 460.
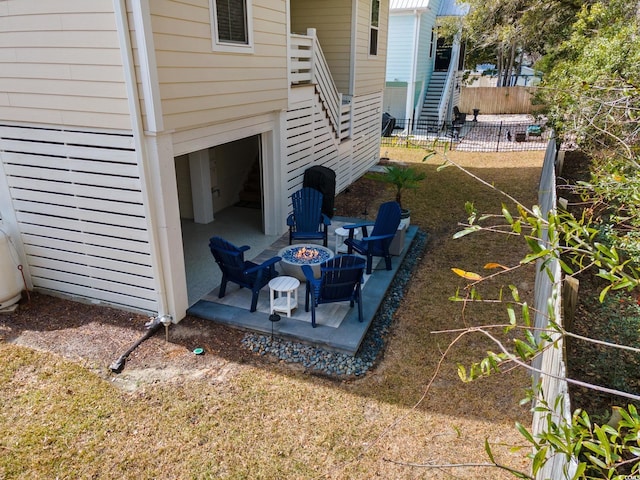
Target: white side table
pixel 278 301
pixel 341 235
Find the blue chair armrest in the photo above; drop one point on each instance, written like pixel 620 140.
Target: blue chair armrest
pixel 290 220
pixel 363 226
pixel 308 273
pixel 378 237
pixel 244 248
pixel 270 262
pixel 358 225
pixel 325 220
pixel 313 284
pixel 263 265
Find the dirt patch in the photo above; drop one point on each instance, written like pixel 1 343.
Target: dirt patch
pixel 96 336
pixel 360 199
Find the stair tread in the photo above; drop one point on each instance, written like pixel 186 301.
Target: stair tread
pixel 250 196
pixel 251 190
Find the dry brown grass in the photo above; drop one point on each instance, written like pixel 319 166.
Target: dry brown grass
pixel 262 420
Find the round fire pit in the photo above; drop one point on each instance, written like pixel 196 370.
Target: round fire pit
pixel 294 256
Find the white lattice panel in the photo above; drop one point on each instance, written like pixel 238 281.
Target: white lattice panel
pixel 77 199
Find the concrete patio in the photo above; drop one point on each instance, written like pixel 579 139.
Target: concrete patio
pixel 338 327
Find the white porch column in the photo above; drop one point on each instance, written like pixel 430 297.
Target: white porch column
pixel 201 186
pixel 162 198
pixel 157 168
pixel 273 156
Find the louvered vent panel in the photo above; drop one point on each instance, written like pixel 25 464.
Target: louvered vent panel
pixel 310 141
pixel 78 202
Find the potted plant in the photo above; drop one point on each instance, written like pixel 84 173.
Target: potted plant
pixel 401 178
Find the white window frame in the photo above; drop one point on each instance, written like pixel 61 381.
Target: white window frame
pixel 376 28
pixel 226 46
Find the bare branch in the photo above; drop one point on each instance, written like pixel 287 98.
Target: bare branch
pixel 591 386
pixel 484 182
pixel 601 342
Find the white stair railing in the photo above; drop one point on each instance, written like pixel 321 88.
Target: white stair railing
pixel 309 66
pixel 449 85
pixel 300 59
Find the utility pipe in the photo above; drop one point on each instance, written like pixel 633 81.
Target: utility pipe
pixel 152 328
pixel 122 25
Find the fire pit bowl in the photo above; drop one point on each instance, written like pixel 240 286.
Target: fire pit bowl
pixel 294 256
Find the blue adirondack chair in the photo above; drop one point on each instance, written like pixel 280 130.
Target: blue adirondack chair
pixel 236 269
pixel 340 281
pixel 307 222
pixel 376 244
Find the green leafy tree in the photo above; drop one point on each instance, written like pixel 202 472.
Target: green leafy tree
pixel 508 32
pixel 609 450
pixel 591 93
pixel 591 82
pixel 499 44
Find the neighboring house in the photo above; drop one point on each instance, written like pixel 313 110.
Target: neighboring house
pixel 120 117
pixel 486 76
pixel 424 71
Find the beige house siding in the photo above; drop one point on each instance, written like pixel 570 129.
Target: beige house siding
pixel 60 64
pixel 370 70
pixel 199 86
pixel 332 21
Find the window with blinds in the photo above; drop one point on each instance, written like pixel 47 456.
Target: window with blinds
pixel 375 23
pixel 231 24
pixel 231 17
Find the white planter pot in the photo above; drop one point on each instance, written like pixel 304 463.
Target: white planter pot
pixel 397 244
pixel 405 219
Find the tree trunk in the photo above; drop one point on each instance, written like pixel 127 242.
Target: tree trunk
pixel 509 69
pixel 519 71
pixel 505 74
pixel 499 68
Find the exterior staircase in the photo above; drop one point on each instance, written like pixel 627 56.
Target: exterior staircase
pixel 309 66
pixel 431 104
pixel 251 193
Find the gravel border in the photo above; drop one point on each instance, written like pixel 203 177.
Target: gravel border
pixel 332 363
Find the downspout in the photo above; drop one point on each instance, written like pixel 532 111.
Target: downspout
pixel 352 84
pixel 122 25
pixel 354 51
pixel 288 43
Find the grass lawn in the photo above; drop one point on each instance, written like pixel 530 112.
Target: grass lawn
pixel 268 420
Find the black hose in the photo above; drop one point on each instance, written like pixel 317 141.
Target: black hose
pixel 118 365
